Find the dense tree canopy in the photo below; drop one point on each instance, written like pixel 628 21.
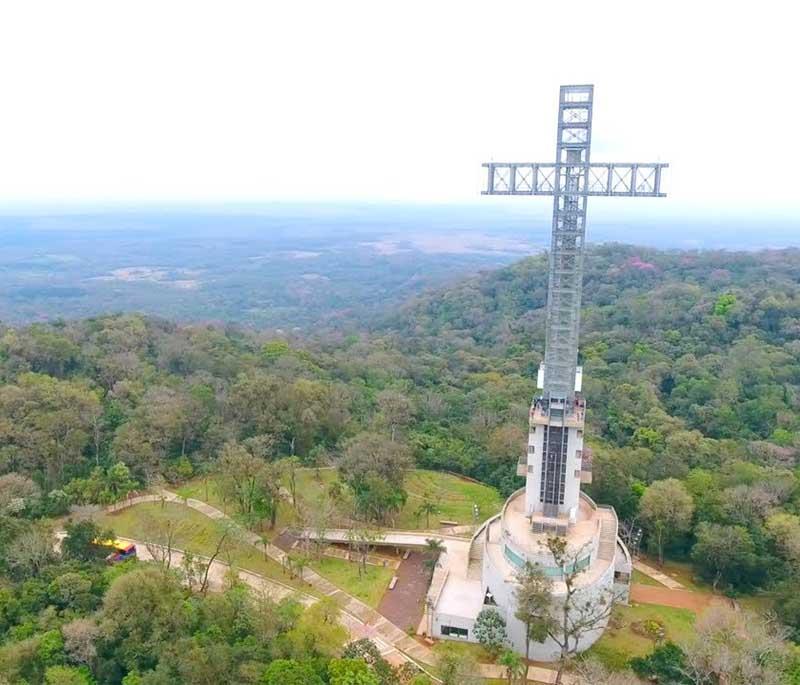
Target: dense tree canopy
pixel 691 372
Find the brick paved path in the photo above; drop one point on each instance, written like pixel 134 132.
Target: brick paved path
pixel 405 605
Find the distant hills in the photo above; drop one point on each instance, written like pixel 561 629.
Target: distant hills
pixel 286 267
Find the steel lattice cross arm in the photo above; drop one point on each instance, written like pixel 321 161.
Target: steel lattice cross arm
pixel 625 180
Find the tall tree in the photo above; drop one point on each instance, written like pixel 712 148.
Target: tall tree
pixel 490 630
pixel 374 468
pixel 533 598
pixel 395 411
pixel 666 509
pixel 427 508
pixel 725 553
pixel 240 477
pixel 434 548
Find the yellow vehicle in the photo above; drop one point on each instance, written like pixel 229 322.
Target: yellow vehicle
pixel 121 550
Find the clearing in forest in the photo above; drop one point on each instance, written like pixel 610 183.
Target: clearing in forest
pixel 453 496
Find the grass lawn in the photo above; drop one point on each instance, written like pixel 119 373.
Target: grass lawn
pixel 642 579
pixel 761 603
pixel 472 649
pixel 205 489
pixel 344 574
pixel 682 571
pixel 621 641
pixel 453 496
pixel 197 534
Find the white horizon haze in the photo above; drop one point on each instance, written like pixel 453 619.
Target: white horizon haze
pixel 259 102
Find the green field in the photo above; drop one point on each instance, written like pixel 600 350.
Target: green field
pixel 469 649
pixel 205 489
pixel 622 640
pixel 344 574
pixel 681 571
pixel 642 579
pixel 453 496
pixel 199 534
pixel 762 603
pixel 196 533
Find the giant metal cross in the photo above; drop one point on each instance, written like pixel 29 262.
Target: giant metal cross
pixel 570 180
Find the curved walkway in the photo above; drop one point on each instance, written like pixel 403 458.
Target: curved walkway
pixel 276 591
pixel 358 616
pixel 376 626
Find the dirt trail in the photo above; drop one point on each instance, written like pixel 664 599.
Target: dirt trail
pixel 679 599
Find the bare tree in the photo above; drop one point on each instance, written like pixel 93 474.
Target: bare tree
pixel 360 539
pixel 736 648
pixel 592 672
pixel 32 550
pixel 79 640
pixel 575 614
pixel 163 535
pixel 219 548
pixel 395 410
pixel 16 491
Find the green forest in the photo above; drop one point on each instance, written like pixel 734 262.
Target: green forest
pixel 692 378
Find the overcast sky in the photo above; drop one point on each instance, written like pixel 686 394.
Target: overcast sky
pixel 171 101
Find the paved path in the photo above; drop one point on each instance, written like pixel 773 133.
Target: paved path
pixel 219 570
pixel 536 674
pixel 367 621
pixel 405 604
pixel 391 538
pixel 378 627
pixel 274 589
pixel 655 574
pixel 288 541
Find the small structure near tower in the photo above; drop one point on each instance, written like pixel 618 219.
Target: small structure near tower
pixel 555 463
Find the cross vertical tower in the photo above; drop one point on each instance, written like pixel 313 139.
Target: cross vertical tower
pixel 554 466
pixel 566 250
